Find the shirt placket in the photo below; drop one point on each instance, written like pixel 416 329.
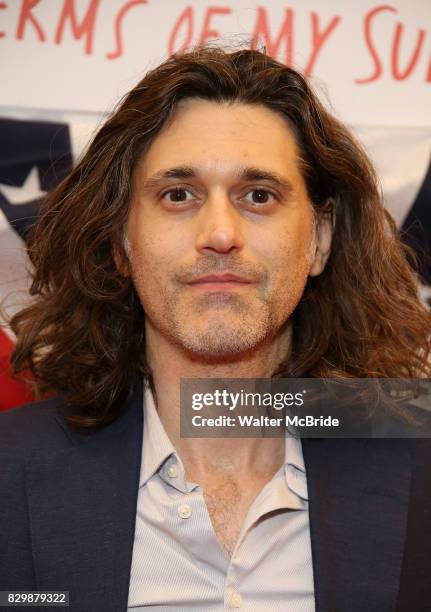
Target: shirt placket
pixel 194 524
pixel 275 495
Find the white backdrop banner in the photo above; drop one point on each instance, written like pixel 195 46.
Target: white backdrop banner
pixel 372 59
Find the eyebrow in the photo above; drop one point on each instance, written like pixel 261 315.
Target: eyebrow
pixel 249 174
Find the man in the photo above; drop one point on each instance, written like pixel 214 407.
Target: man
pixel 221 225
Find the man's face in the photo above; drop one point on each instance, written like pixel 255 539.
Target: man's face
pixel 221 230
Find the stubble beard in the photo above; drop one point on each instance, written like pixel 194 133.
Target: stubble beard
pixel 219 330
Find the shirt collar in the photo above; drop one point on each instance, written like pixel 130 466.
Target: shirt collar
pixel 156 446
pixel 294 467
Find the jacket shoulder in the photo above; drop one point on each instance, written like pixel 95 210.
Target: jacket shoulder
pixel 36 426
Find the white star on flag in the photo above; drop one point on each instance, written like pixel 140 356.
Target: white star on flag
pixel 30 190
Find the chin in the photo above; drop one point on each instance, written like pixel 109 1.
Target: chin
pixel 223 343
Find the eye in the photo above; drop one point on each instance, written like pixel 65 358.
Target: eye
pixel 177 195
pixel 259 197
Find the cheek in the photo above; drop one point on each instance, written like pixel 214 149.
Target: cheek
pixel 154 255
pixel 147 265
pixel 289 263
pixel 286 253
pixel 146 248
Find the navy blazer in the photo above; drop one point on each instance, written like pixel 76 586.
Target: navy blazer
pixel 68 507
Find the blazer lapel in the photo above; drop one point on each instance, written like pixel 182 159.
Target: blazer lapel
pixel 358 493
pixel 82 507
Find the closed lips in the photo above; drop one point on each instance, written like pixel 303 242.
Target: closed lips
pixel 222 278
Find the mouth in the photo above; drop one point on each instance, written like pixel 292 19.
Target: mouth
pixel 219 282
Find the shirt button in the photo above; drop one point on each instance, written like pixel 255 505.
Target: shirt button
pixel 236 601
pixel 173 471
pixel 184 511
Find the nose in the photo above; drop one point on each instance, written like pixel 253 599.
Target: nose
pixel 220 226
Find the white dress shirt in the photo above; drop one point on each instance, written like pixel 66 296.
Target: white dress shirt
pixel 178 562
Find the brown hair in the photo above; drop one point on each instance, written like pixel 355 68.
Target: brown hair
pixel 83 335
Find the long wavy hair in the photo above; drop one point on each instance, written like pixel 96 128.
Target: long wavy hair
pixel 83 334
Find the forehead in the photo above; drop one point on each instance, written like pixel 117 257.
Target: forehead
pixel 219 137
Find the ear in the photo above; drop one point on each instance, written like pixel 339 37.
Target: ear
pixel 325 224
pixel 119 253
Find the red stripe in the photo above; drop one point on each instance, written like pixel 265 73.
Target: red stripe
pixel 12 392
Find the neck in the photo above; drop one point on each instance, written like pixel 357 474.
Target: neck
pixel 169 363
